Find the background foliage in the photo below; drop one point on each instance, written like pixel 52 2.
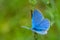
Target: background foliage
pixel 17 13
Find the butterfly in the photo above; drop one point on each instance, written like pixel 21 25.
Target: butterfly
pixel 40 25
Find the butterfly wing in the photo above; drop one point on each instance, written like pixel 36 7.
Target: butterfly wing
pixel 36 18
pixel 45 24
pixel 43 27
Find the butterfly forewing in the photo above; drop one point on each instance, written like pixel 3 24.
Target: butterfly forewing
pixel 36 18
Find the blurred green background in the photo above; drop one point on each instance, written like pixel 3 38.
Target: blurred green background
pixel 17 13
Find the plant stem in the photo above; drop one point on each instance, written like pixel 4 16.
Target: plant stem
pixel 35 36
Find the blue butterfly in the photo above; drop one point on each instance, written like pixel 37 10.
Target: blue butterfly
pixel 40 25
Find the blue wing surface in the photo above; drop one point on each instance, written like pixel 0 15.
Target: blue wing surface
pixel 37 17
pixel 45 24
pixel 43 27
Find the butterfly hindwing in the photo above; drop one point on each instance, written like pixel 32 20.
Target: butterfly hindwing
pixel 43 27
pixel 45 24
